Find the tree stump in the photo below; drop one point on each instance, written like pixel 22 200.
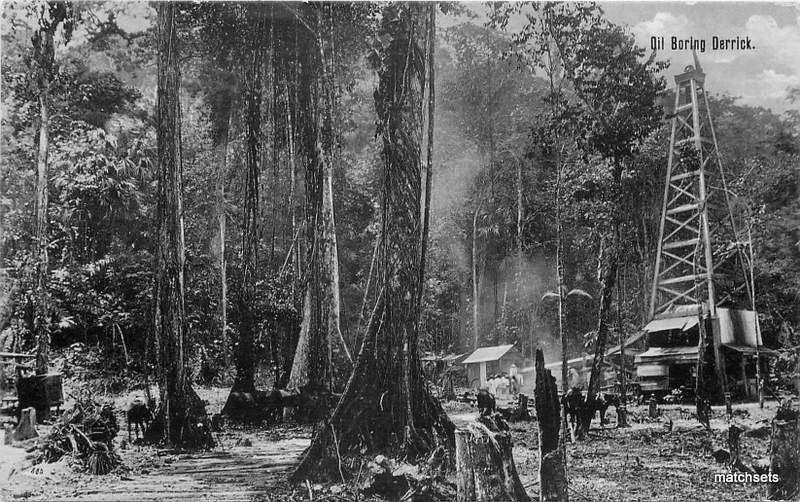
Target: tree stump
pixel 553 463
pixel 25 429
pixel 485 470
pixel 728 405
pixel 465 480
pixel 734 443
pixel 521 411
pixel 785 456
pixel 652 410
pixel 622 414
pixel 704 412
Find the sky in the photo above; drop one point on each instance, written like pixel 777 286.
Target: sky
pixel 759 76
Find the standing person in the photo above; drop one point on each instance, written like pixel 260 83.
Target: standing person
pixel 576 380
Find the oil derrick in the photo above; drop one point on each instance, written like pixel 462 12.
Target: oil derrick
pixel 701 264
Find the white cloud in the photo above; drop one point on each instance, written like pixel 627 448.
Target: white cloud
pixel 782 41
pixel 766 88
pixel 662 24
pixel 774 84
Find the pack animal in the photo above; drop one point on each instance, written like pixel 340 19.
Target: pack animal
pixel 572 402
pixel 486 403
pixel 139 415
pixel 604 402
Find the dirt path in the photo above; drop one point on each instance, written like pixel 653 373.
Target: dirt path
pixel 647 461
pixel 227 473
pixel 239 473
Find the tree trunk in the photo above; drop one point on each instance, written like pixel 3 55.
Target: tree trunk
pixel 426 215
pixel 386 404
pixel 241 402
pixel 332 300
pixel 181 418
pixel 520 253
pixel 465 465
pixel 553 462
pixel 221 153
pixel 485 469
pixel 560 288
pixel 606 291
pixel 519 220
pixel 734 446
pixel 312 368
pixel 43 48
pixel 295 247
pixel 622 411
pixel 475 297
pixel 785 456
pixel 8 295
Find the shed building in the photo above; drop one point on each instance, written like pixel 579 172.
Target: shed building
pixel 487 361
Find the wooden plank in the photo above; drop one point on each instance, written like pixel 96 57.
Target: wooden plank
pixel 683 278
pixel 684 208
pixel 679 177
pixel 681 244
pixel 684 259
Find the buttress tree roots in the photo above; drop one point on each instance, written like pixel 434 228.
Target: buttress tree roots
pixel 380 409
pixel 386 405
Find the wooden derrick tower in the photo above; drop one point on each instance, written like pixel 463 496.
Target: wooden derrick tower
pixel 700 260
pixel 702 266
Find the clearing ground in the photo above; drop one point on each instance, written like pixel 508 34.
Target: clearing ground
pixel 648 461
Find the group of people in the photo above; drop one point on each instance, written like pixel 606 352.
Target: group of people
pixel 503 383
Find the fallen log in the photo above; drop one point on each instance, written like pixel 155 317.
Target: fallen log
pixel 485 469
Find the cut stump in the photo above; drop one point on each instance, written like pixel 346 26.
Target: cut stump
pixel 553 463
pixel 521 411
pixel 734 446
pixel 785 456
pixel 485 470
pixel 25 429
pixel 652 408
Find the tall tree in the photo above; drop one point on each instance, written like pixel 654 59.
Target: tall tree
pixel 220 24
pixel 320 327
pixel 181 418
pixel 50 16
pixel 385 397
pixel 609 105
pixel 621 108
pixel 240 401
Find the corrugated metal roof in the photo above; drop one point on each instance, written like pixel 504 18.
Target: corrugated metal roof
pixel 669 324
pixel 686 353
pixel 630 341
pixel 487 354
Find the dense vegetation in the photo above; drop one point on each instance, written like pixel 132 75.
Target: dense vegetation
pixel 533 159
